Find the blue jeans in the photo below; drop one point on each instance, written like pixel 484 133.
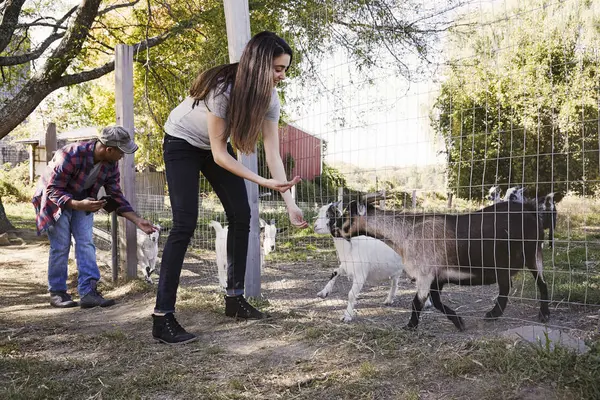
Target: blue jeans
pixel 183 164
pixel 78 224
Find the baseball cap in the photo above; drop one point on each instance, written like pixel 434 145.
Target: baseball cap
pixel 117 136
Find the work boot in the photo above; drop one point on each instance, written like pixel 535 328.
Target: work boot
pixel 62 299
pixel 94 299
pixel 238 307
pixel 166 329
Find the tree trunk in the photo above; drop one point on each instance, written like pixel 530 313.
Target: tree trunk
pixel 5 224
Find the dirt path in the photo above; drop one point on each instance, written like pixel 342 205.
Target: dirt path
pixel 302 353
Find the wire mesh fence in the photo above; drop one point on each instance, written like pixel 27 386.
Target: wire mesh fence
pixel 490 110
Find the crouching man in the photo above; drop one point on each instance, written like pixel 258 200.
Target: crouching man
pixel 65 201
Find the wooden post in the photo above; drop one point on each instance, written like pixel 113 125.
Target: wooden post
pixel 114 236
pixel 32 162
pixel 124 109
pixel 237 20
pixel 450 195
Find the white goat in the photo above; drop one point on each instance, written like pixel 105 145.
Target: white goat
pixel 361 258
pixel 269 235
pixel 221 250
pixel 147 252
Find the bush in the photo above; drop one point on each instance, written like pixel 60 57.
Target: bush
pixel 14 183
pixel 323 188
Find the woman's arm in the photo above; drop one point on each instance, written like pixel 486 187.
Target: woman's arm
pixel 270 131
pixel 218 146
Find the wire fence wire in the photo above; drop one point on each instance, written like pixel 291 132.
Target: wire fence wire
pixel 436 143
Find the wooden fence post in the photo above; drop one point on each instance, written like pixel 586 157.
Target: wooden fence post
pixel 124 109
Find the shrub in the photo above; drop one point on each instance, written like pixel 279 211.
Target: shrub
pixel 14 183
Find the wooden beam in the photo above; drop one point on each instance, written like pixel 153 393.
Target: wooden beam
pixel 237 20
pixel 124 109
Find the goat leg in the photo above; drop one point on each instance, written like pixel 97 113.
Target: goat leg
pixel 417 306
pixel 434 293
pixel 357 285
pixel 551 230
pixel 504 283
pixel 329 287
pixel 423 288
pixel 544 315
pixel 392 294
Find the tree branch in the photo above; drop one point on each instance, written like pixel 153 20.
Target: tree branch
pixel 116 6
pixel 26 57
pixel 86 76
pixel 10 19
pixel 73 41
pixel 39 87
pixel 33 55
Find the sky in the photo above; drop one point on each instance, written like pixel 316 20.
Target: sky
pixel 386 124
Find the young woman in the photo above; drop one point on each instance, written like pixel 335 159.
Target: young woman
pixel 231 102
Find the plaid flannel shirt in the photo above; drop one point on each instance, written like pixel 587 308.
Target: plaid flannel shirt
pixel 64 178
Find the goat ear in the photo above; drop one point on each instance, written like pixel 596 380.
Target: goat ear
pixel 361 209
pixel 352 208
pixel 261 223
pixel 337 204
pixel 558 196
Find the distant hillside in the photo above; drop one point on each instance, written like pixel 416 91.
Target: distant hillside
pixel 430 177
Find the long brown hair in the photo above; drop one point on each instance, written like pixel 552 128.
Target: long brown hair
pixel 250 96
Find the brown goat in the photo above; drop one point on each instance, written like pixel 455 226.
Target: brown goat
pixel 480 248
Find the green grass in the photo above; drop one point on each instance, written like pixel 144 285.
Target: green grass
pixel 527 363
pixel 193 300
pixel 21 215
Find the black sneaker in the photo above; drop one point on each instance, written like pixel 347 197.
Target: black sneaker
pixel 94 299
pixel 166 329
pixel 62 299
pixel 238 307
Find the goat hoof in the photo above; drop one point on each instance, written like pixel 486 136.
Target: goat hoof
pixel 346 318
pixel 544 317
pixel 388 303
pixel 409 327
pixel 460 324
pixel 490 317
pixel 322 295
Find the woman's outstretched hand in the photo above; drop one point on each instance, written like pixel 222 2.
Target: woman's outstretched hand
pixel 281 186
pixel 296 216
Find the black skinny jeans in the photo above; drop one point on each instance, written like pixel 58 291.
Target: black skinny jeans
pixel 183 163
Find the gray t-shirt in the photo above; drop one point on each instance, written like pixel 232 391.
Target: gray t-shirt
pixel 190 124
pixel 91 178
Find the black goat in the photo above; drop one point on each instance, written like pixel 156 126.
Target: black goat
pixel 548 213
pixel 481 248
